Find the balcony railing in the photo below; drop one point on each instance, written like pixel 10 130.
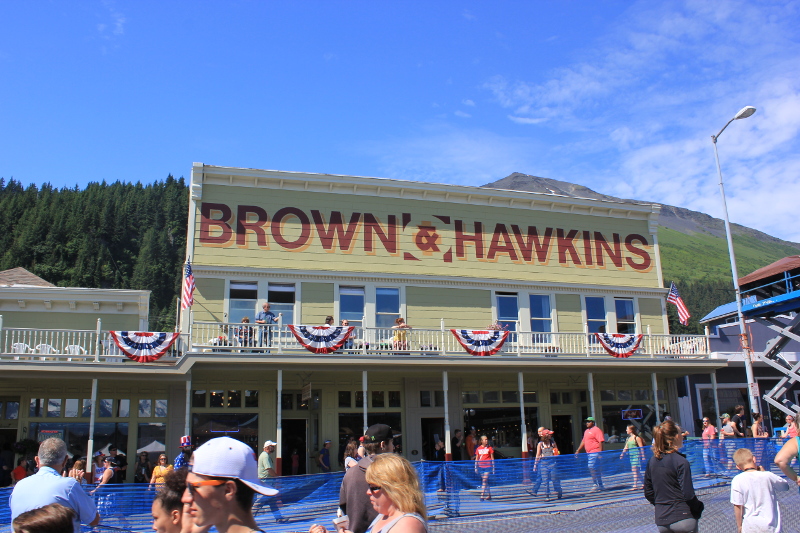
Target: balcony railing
pixel 277 339
pixel 29 344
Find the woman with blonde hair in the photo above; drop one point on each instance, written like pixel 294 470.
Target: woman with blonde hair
pixel 668 483
pixel 161 470
pixel 78 471
pixel 395 493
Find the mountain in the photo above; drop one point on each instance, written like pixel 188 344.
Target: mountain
pixel 694 251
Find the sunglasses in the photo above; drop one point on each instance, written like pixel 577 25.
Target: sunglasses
pixel 193 485
pixel 373 489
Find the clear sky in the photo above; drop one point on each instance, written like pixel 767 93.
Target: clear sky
pixel 619 96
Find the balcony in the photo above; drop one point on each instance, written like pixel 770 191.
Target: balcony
pixel 261 341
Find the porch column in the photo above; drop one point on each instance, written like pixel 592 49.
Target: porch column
pixel 522 426
pixel 716 399
pixel 366 400
pixel 655 397
pixel 591 395
pixel 279 427
pixel 92 409
pixel 448 453
pixel 187 420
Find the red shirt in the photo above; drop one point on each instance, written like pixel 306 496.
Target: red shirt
pixel 592 438
pixel 484 456
pixel 18 473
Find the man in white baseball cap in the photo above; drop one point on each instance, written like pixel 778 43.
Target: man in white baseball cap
pixel 221 484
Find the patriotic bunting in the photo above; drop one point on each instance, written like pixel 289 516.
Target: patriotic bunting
pixel 321 339
pixel 619 345
pixel 480 342
pixel 143 346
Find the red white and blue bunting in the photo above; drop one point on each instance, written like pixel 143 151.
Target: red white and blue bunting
pixel 618 344
pixel 143 346
pixel 321 339
pixel 480 342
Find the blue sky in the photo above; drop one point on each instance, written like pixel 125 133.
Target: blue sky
pixel 619 96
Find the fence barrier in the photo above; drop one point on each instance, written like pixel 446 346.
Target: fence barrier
pixel 520 490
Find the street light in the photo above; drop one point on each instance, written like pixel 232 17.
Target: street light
pixel 748 364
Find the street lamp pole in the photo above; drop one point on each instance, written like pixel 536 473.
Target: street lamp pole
pixel 752 387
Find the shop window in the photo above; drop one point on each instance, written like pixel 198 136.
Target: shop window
pixel 345 398
pixel 87 407
pixel 507 310
pixel 607 396
pixel 105 408
pixel 555 398
pixel 240 426
pixel 123 408
pixel 378 398
pixel 624 396
pixel 199 398
pixel 76 435
pixel 151 438
pixel 71 408
pixel 566 398
pixel 491 397
pixel 36 407
pixel 641 395
pixel 145 408
pixel 626 318
pixel 351 305
pixel 541 321
pixel 281 297
pixel 54 408
pixel 502 424
pixel 425 398
pixel 614 425
pixel 510 396
pixel 583 396
pixel 287 401
pixel 470 397
pixel 161 408
pixel 387 306
pixel 251 398
pixel 359 398
pixel 530 397
pixel 216 398
pixel 596 314
pixel 438 399
pixel 302 405
pixel 242 300
pixel 235 398
pixel 12 411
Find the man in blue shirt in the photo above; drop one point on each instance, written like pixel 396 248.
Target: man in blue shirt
pixel 47 486
pixel 266 317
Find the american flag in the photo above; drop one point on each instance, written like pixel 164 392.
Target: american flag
pixel 675 298
pixel 187 297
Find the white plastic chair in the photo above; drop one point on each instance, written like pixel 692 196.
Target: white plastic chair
pixel 74 349
pixel 45 349
pixel 20 347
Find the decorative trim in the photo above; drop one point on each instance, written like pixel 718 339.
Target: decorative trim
pixel 96 306
pixel 48 304
pixel 21 304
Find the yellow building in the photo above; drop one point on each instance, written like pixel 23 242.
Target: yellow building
pixel 551 270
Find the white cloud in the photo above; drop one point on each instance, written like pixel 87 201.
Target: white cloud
pixel 114 23
pixel 467 15
pixel 526 120
pixel 461 114
pixel 468 102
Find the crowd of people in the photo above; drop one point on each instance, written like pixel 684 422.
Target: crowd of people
pixel 217 485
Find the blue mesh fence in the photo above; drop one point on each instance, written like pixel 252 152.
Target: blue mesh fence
pixel 518 493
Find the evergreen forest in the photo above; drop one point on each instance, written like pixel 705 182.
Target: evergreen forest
pixel 133 236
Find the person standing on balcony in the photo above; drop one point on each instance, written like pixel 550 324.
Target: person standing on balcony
pixel 592 442
pixel 266 317
pixel 400 338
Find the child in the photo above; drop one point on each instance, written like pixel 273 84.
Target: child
pixel 753 495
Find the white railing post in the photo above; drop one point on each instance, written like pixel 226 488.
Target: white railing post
pixel 650 342
pixel 191 330
pixel 442 350
pixel 519 339
pixel 707 340
pixel 586 340
pixel 2 337
pixel 99 345
pixel 280 333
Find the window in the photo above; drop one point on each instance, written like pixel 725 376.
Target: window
pixel 387 306
pixel 54 407
pixel 71 408
pixel 36 408
pixel 12 410
pixel 281 297
pixel 378 398
pixel 351 305
pixel 425 398
pixel 287 401
pixel 123 408
pixel 507 310
pixel 216 398
pixel 626 318
pixel 235 398
pixel 345 398
pixel 470 397
pixel 596 314
pixel 394 398
pixel 106 408
pixel 198 398
pixel 243 296
pixel 540 313
pixel 145 408
pixel 491 397
pixel 251 398
pixel 510 396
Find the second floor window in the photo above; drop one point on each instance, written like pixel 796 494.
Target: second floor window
pixel 626 317
pixel 351 305
pixel 541 321
pixel 387 306
pixel 507 310
pixel 242 299
pixel 596 314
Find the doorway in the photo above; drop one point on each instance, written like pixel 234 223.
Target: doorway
pixel 294 446
pixel 563 433
pixel 432 430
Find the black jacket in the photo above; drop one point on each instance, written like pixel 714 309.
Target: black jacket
pixel 668 486
pixel 353 498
